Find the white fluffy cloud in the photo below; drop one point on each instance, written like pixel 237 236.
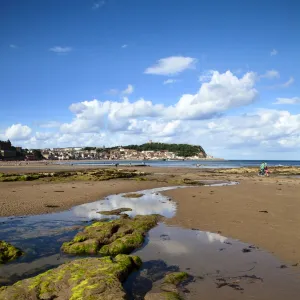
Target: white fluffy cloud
pixel 284 84
pixel 60 50
pixel 50 124
pixel 206 76
pixel 271 74
pixel 288 83
pixel 98 4
pixel 128 90
pixel 170 81
pixel 18 132
pixel 223 92
pixel 294 100
pixel 171 65
pixel 273 52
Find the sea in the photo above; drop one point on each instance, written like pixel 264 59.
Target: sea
pixel 188 163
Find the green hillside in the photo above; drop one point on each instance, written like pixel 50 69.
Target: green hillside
pixel 184 150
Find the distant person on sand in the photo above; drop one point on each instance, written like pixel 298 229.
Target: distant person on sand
pixel 262 169
pixel 266 169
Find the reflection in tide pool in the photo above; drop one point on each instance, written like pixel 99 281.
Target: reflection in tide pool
pixel 213 259
pixel 151 202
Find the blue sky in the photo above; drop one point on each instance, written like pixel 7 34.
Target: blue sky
pixel 223 74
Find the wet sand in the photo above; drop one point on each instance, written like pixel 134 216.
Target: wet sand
pixel 234 210
pixel 264 213
pixel 27 198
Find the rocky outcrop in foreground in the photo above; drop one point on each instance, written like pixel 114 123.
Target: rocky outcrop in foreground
pixel 88 278
pixel 169 288
pixel 8 252
pixel 119 236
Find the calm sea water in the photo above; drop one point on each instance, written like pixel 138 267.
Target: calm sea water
pixel 193 163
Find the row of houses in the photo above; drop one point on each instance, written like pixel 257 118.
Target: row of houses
pixel 105 154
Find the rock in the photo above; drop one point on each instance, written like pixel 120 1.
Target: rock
pixel 119 236
pixel 169 288
pixel 162 296
pixel 283 267
pixel 246 250
pixel 115 212
pixel 88 278
pixel 175 277
pixel 8 252
pixel 133 195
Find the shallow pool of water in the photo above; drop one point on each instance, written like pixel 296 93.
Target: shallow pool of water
pixel 41 236
pixel 223 268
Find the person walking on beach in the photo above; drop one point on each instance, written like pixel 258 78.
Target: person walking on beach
pixel 262 169
pixel 266 170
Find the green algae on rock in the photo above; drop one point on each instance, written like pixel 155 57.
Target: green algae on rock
pixel 8 252
pixel 87 278
pixel 114 212
pixel 168 288
pixel 113 237
pixel 133 195
pixel 94 175
pixel 175 277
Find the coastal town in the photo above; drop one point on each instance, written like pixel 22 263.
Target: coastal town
pixel 9 152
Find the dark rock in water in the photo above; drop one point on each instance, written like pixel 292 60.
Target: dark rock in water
pixel 88 278
pixel 115 212
pixel 283 267
pixel 8 252
pixel 165 237
pixel 170 288
pixel 113 237
pixel 252 247
pixel 246 250
pixel 234 282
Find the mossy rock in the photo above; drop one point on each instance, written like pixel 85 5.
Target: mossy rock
pixel 88 278
pixel 163 296
pixel 112 237
pixel 8 252
pixel 95 175
pixel 175 277
pixel 168 288
pixel 133 195
pixel 141 179
pixel 191 181
pixel 114 212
